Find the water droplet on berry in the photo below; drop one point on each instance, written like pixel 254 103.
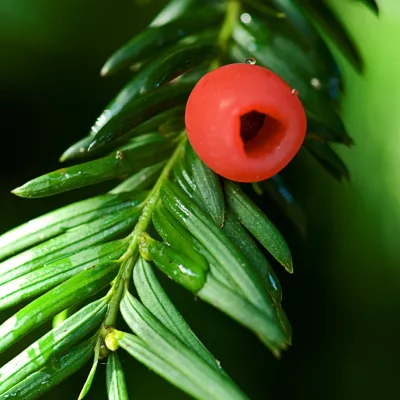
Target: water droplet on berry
pixel 251 61
pixel 295 92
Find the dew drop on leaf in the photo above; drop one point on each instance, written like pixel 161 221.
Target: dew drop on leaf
pixel 245 18
pixel 316 83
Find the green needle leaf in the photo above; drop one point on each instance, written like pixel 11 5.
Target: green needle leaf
pixel 318 131
pixel 142 180
pixel 171 64
pixel 80 150
pixel 156 38
pixel 128 94
pixel 278 191
pixel 55 342
pixel 56 371
pixel 212 383
pixel 208 187
pixel 320 13
pixel 235 231
pixel 141 151
pixel 173 10
pixel 137 348
pixel 175 235
pixel 57 222
pixel 89 380
pixel 267 329
pixel 229 258
pixel 258 224
pixel 301 24
pixel 61 297
pixel 141 109
pixel 174 64
pixel 186 182
pixel 328 159
pixel 187 272
pixel 54 273
pixel 115 379
pixel 238 234
pixel 74 240
pixel 179 237
pixel 156 300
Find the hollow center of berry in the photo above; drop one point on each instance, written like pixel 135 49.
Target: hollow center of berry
pixel 260 132
pixel 250 124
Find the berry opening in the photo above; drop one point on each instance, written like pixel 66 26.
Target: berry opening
pixel 260 132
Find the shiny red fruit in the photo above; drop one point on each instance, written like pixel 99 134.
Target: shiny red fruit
pixel 245 122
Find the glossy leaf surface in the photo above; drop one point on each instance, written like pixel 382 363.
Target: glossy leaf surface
pixel 208 186
pixel 166 345
pixel 182 269
pixel 61 297
pixel 57 222
pixel 143 108
pixel 56 272
pixel 142 151
pixel 156 300
pixel 56 371
pixel 80 149
pixel 158 37
pixel 74 240
pixel 229 258
pixel 175 234
pixel 258 224
pixel 138 349
pixel 238 234
pixel 57 341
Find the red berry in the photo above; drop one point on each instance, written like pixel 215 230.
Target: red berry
pixel 245 122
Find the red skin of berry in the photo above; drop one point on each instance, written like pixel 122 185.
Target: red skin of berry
pixel 212 117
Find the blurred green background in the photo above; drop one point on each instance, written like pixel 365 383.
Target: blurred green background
pixel 343 299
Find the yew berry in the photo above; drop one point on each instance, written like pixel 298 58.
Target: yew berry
pixel 245 122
